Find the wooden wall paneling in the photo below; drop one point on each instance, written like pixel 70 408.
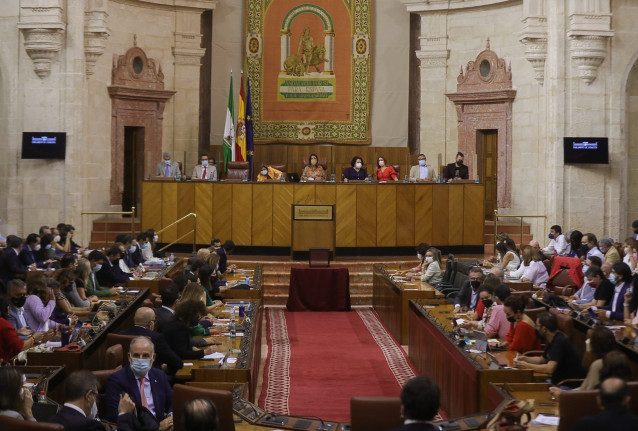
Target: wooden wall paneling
pixel 204 210
pixel 325 194
pixel 152 198
pixel 473 226
pixel 242 214
pixel 185 205
pixel 262 214
pixel 405 215
pixel 387 215
pixel 269 154
pixel 222 211
pixel 169 211
pixel 282 214
pixel 304 194
pixel 366 215
pixel 440 215
pixel 423 226
pixel 456 214
pixel 346 214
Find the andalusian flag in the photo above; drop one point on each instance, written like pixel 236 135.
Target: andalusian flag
pixel 229 128
pixel 240 143
pixel 250 146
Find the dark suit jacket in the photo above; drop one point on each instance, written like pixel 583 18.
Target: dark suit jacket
pixel 612 419
pixel 110 274
pixel 450 169
pixel 419 426
pixel 10 265
pixel 136 256
pixel 163 316
pixel 28 256
pixel 619 313
pixel 165 354
pixel 464 296
pixel 223 259
pixel 127 257
pixel 124 381
pixel 178 336
pixel 72 420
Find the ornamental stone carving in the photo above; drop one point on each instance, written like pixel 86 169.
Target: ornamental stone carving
pixel 534 36
pixel 187 50
pixel 433 53
pixel 95 33
pixel 42 24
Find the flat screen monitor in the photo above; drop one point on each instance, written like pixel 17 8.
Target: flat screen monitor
pixel 586 151
pixel 43 145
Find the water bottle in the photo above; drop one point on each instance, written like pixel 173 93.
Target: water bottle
pixel 177 177
pixel 477 179
pixel 281 178
pixel 64 337
pixel 405 179
pixel 245 178
pixel 242 309
pixel 332 177
pixel 438 178
pixel 42 397
pixel 172 258
pixel 232 328
pixel 247 280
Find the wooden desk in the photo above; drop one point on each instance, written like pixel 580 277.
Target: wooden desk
pixel 391 297
pixel 91 356
pixel 366 215
pixel 156 275
pixel 463 377
pixel 246 349
pixel 254 273
pixel 520 286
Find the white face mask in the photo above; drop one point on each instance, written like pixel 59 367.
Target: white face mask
pixel 145 245
pixel 421 162
pixel 93 414
pixel 37 247
pixel 429 259
pixel 204 162
pixel 381 163
pixel 167 162
pixel 57 238
pixel 155 238
pixel 264 172
pixel 358 165
pixel 419 256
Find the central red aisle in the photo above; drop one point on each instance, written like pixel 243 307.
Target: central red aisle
pixel 318 361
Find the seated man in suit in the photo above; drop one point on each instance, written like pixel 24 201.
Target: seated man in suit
pixel 110 274
pixel 10 264
pixel 148 387
pixel 144 326
pixel 614 400
pixel 467 298
pixel 167 168
pixel 93 288
pixel 28 255
pixel 170 295
pixel 419 404
pixel 457 170
pixel 205 170
pixel 420 173
pixel 80 409
pixel 200 414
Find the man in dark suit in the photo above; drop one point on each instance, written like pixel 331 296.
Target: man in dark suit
pixel 10 264
pixel 223 252
pixel 456 170
pixel 419 404
pixel 467 297
pixel 144 326
pixel 148 387
pixel 110 274
pixel 28 255
pixel 170 295
pixel 80 410
pixel 614 399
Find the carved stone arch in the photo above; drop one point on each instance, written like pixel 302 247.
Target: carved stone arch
pixel 138 99
pixel 483 101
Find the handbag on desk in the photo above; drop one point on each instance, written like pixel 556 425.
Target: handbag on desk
pixel 510 418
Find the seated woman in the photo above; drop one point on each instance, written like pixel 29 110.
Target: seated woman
pixel 195 292
pixel 177 330
pixel 10 343
pixel 596 291
pixel 431 268
pixel 269 173
pixel 82 274
pixel 499 326
pixel 521 336
pixel 15 401
pixel 46 251
pixel 630 247
pixel 421 250
pixel 601 342
pixel 314 171
pixel 384 171
pixel 213 288
pixel 630 308
pixel 66 279
pixel 536 272
pixel 507 256
pixel 40 303
pixel 355 172
pixel 528 254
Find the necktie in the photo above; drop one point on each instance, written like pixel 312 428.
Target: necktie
pixel 168 171
pixel 204 174
pixel 142 394
pixel 32 255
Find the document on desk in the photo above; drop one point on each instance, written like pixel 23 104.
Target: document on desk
pixel 216 355
pixel 546 420
pixel 227 334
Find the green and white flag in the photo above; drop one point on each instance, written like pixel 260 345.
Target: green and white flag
pixel 229 128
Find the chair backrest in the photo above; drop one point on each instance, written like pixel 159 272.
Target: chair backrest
pixel 375 413
pixel 459 277
pixel 13 424
pixel 576 404
pixel 448 276
pixel 564 290
pixel 114 356
pixel 237 170
pixel 283 167
pixel 533 313
pixel 565 322
pixel 124 340
pixel 397 168
pixel 103 378
pixel 223 401
pixel 323 162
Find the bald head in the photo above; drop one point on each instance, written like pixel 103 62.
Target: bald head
pixel 614 392
pixel 498 272
pixel 203 253
pixel 534 244
pixel 606 268
pixel 144 316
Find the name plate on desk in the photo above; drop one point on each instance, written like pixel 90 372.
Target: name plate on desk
pixel 313 212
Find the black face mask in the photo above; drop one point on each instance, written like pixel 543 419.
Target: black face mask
pixel 487 303
pixel 459 162
pixel 19 302
pixel 584 249
pixel 511 319
pixel 475 284
pixel 539 335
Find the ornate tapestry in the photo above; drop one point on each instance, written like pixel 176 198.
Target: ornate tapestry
pixel 310 70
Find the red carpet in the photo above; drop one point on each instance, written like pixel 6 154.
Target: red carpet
pixel 318 361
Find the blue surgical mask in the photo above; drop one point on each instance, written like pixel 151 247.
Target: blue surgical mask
pixel 97 267
pixel 421 162
pixel 146 245
pixel 585 268
pixel 132 248
pixel 204 162
pixel 140 366
pixel 47 247
pixel 612 278
pixel 551 236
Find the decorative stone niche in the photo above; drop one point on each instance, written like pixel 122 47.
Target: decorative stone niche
pixel 95 33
